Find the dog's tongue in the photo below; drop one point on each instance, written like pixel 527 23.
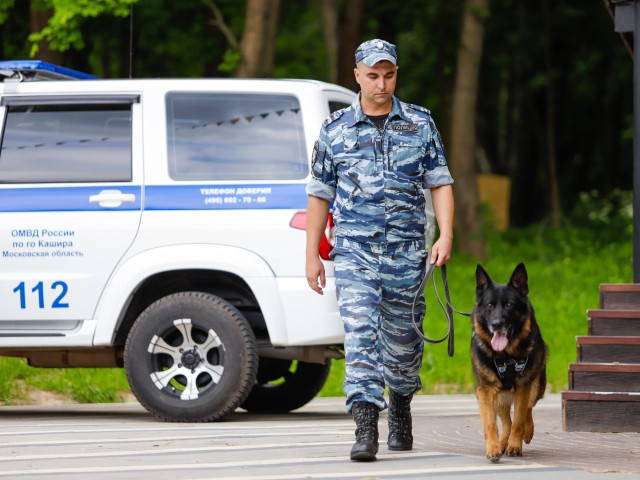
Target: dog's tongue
pixel 499 341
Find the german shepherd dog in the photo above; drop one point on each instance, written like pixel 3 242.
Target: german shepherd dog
pixel 509 360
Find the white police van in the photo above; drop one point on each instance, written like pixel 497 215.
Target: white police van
pixel 158 225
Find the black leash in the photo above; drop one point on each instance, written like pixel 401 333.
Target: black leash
pixel 448 309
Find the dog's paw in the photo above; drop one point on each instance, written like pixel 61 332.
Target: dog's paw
pixel 514 451
pixel 495 457
pixel 494 452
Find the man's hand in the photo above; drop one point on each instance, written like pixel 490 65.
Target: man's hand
pixel 441 251
pixel 317 214
pixel 315 274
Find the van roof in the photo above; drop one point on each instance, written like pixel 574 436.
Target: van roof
pixel 35 76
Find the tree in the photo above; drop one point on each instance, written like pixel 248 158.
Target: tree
pixel 271 34
pixel 463 129
pixel 39 20
pixel 329 16
pixel 62 30
pixel 350 31
pixel 258 39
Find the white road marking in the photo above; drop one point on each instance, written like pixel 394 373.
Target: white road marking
pixel 271 462
pixel 166 438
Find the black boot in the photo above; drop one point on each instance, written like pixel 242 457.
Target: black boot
pixel 400 437
pixel 366 416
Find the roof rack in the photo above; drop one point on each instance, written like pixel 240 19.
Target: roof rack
pixel 37 70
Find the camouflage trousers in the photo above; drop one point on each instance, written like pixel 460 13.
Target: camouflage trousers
pixel 375 292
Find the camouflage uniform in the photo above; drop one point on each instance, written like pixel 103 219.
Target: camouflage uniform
pixel 375 181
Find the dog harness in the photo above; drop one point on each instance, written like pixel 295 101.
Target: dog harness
pixel 508 369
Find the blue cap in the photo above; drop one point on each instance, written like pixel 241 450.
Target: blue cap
pixel 374 51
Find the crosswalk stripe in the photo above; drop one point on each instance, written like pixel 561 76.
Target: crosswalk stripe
pixel 300 462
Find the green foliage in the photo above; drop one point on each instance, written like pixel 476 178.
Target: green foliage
pixel 610 215
pixel 63 30
pixel 565 268
pixel 231 61
pixel 300 50
pixel 5 6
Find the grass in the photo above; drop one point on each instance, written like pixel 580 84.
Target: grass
pixel 21 382
pixel 566 265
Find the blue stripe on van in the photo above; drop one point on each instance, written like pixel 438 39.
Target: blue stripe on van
pixel 61 199
pixel 225 197
pixel 157 197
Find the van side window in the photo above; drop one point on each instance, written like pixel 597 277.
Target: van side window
pixel 55 143
pixel 234 136
pixel 334 105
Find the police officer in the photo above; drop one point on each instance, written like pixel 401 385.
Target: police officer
pixel 373 160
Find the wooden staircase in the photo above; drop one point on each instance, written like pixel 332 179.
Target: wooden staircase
pixel 604 384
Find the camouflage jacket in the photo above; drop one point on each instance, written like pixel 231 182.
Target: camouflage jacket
pixel 375 179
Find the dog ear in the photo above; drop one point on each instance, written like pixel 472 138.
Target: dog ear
pixel 519 279
pixel 482 280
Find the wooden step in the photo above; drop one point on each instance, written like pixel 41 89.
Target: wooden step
pixel 594 349
pixel 620 296
pixel 600 412
pixel 604 377
pixel 614 322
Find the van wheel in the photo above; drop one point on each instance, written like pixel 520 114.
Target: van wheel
pixel 284 385
pixel 191 357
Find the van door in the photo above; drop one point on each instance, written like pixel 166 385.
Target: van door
pixel 70 186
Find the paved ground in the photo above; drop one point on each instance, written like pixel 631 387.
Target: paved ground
pixel 450 424
pixel 122 441
pixel 458 429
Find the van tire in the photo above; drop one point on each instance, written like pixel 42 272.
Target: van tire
pixel 285 385
pixel 191 357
